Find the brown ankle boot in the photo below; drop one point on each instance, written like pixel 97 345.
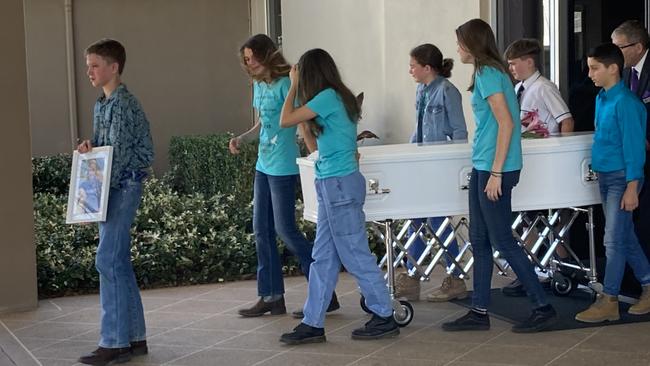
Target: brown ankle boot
pixel 643 305
pixel 275 307
pixel 407 287
pixel 451 288
pixel 604 308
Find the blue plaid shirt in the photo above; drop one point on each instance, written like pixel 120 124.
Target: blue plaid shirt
pixel 120 122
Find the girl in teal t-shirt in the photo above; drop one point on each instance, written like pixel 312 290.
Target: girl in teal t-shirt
pixel 496 156
pixel 341 190
pixel 276 175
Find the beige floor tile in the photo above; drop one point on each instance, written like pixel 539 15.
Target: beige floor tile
pixel 161 354
pixel 254 341
pixel 512 355
pixel 605 341
pixel 202 306
pixel 416 349
pixel 582 357
pixel 66 350
pixel 53 362
pixel 180 293
pixel 54 330
pixel 384 361
pixel 163 319
pixel 36 343
pixel 231 294
pixel 83 316
pixel 303 359
pixel 191 337
pixel 233 322
pixel 558 339
pixel 225 357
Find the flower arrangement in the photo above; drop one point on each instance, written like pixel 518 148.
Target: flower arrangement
pixel 532 127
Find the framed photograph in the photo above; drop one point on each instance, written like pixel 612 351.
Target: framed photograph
pixel 90 181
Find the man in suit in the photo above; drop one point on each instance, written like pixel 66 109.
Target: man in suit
pixel 633 40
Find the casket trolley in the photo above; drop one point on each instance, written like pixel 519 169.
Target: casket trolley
pixel 406 181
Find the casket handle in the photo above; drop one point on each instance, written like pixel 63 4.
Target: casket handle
pixel 373 185
pixel 465 187
pixel 591 176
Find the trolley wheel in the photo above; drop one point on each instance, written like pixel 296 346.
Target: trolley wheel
pixel 364 307
pixel 407 314
pixel 562 285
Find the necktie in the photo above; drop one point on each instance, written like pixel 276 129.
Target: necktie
pixel 421 106
pixel 634 80
pixel 519 93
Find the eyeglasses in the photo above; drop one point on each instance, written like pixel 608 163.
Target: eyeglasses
pixel 627 45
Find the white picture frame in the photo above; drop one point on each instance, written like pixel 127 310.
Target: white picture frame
pixel 90 180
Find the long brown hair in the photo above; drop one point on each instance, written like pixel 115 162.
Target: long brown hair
pixel 317 72
pixel 477 38
pixel 267 54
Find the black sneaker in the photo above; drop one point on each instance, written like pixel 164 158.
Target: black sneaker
pixel 106 356
pixel 470 321
pixel 377 327
pixel 541 318
pixel 514 289
pixel 334 305
pixel 302 334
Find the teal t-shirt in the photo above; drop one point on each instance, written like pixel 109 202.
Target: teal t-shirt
pixel 278 149
pixel 337 144
pixel 489 81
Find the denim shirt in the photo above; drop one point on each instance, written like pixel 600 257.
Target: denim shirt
pixel 443 117
pixel 120 122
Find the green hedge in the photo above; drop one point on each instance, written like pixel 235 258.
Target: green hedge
pixel 177 239
pixel 51 174
pixel 204 164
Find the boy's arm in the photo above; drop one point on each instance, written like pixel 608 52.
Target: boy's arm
pixel 632 116
pixel 567 125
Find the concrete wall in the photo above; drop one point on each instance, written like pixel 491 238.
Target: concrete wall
pixel 370 40
pixel 181 63
pixel 17 253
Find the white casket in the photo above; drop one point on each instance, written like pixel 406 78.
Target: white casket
pixel 429 180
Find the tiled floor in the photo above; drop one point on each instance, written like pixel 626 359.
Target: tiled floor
pixel 198 325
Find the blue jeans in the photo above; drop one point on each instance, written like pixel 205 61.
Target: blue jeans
pixel 122 317
pixel 490 226
pixel 274 211
pixel 621 243
pixel 417 247
pixel 341 238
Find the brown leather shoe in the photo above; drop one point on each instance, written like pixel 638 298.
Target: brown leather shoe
pixel 275 307
pixel 139 348
pixel 106 356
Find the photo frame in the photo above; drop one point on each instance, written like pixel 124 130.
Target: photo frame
pixel 90 181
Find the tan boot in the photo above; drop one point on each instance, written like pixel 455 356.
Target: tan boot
pixel 407 287
pixel 643 305
pixel 451 288
pixel 604 308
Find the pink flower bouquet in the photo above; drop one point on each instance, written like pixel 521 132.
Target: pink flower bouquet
pixel 532 127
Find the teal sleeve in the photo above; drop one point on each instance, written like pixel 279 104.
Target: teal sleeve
pixel 488 82
pixel 324 103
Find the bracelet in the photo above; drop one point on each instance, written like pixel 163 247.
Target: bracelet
pixel 496 174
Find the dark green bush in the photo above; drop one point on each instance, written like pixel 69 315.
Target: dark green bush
pixel 51 174
pixel 204 164
pixel 177 240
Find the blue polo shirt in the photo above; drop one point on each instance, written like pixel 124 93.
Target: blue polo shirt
pixel 337 144
pixel 489 81
pixel 619 140
pixel 278 149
